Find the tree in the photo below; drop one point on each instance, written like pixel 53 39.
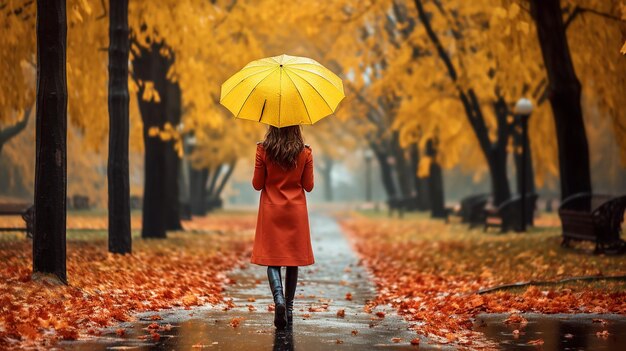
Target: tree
pixel 120 240
pixel 150 67
pixel 50 168
pixel 435 181
pixel 564 93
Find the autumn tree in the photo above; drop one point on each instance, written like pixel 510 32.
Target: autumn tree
pixel 565 98
pixel 50 167
pixel 150 68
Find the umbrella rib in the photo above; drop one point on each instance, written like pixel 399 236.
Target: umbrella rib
pixel 313 72
pixel 280 91
pixel 301 98
pixel 317 91
pixel 252 91
pixel 246 77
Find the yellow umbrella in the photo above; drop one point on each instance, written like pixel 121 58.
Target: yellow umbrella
pixel 283 91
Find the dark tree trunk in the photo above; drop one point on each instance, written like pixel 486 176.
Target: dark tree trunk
pixel 224 180
pixel 435 182
pixel 437 200
pixel 173 111
pixel 404 182
pixel 197 189
pixel 420 184
pixel 51 147
pixel 118 173
pixel 386 173
pixel 518 143
pixel 151 66
pixel 499 181
pixel 214 177
pixel 564 93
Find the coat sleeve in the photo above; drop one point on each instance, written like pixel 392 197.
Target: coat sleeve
pixel 307 175
pixel 258 180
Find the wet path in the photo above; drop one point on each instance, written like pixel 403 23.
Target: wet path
pixel 321 293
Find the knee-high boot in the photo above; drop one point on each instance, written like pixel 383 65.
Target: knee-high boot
pixel 291 281
pixel 280 317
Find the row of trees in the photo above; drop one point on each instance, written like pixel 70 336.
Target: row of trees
pixel 154 48
pixel 449 72
pixel 430 85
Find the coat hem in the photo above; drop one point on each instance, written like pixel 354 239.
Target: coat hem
pixel 282 261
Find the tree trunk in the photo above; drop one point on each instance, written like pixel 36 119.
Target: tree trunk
pixel 564 93
pixel 225 178
pixel 51 147
pixel 386 174
pixel 404 182
pixel 173 112
pixel 437 200
pixel 499 182
pixel 197 186
pixel 420 184
pixel 435 181
pixel 117 171
pixel 518 143
pixel 150 66
pixel 209 192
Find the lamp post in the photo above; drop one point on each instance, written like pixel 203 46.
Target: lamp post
pixel 523 109
pixel 368 154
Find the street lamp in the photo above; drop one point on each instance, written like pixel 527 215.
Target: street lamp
pixel 523 109
pixel 368 154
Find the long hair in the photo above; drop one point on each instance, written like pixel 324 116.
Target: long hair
pixel 283 145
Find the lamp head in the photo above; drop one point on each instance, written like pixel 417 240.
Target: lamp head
pixel 523 106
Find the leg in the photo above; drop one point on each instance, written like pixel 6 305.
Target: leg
pixel 291 281
pixel 280 317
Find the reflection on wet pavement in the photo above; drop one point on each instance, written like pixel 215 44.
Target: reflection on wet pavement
pixel 558 332
pixel 321 293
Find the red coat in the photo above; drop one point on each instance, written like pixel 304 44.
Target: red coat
pixel 282 231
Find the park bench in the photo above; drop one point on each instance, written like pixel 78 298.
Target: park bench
pixel 26 210
pixel 508 215
pixel 136 202
pixel 80 202
pixel 471 209
pixel 596 218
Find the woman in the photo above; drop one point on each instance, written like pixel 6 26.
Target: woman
pixel 283 171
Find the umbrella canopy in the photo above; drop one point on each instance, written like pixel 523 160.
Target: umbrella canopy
pixel 283 91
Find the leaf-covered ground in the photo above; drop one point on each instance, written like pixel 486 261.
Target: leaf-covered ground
pixel 430 272
pixel 185 270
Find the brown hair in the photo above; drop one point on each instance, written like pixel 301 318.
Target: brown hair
pixel 283 145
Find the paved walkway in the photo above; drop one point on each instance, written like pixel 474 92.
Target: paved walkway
pixel 321 294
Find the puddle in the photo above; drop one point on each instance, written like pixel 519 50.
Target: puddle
pixel 559 332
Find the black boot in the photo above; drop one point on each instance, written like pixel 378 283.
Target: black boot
pixel 291 281
pixel 273 275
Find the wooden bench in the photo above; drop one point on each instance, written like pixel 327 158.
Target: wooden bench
pixel 80 202
pixel 26 210
pixel 596 218
pixel 472 209
pixel 508 215
pixel 469 209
